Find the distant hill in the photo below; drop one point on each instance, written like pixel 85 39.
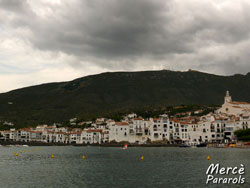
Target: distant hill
pixel 108 93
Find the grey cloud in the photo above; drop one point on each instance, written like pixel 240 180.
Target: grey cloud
pixel 122 34
pixel 16 6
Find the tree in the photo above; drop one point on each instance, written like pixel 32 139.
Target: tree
pixel 243 135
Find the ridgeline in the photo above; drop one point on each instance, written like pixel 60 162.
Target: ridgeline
pixel 118 92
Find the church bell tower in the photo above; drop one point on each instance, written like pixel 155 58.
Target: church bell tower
pixel 228 98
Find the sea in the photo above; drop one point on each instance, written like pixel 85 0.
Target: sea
pixel 113 167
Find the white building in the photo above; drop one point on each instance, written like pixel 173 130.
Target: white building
pixel 138 130
pixel 159 129
pixel 91 136
pixel 119 132
pixel 232 107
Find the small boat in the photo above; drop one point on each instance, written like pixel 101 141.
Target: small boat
pixel 201 145
pixel 25 146
pixel 125 146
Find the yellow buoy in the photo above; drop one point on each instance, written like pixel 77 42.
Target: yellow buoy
pixel 24 151
pixel 83 157
pixel 142 158
pixel 208 157
pixel 16 155
pixel 52 156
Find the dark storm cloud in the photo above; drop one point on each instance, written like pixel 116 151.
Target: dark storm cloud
pixel 117 33
pixel 114 29
pixel 14 5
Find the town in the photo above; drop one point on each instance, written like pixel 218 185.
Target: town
pixel 215 127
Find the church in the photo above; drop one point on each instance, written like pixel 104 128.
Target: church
pixel 234 108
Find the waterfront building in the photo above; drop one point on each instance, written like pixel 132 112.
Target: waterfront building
pixel 138 130
pixel 158 129
pixel 119 132
pixel 218 127
pixel 91 136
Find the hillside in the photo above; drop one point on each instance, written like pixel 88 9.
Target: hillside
pixel 109 93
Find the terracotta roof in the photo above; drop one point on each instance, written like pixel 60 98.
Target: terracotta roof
pixel 139 118
pixel 236 102
pixel 121 123
pixel 93 130
pixel 236 106
pixel 185 122
pixel 175 120
pixel 76 133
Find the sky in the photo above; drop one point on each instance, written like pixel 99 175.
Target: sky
pixel 45 41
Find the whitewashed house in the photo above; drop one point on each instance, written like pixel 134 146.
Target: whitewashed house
pixel 119 132
pixel 138 130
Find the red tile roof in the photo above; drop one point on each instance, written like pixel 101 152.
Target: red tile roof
pixel 121 123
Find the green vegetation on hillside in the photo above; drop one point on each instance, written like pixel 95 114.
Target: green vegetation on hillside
pixel 118 93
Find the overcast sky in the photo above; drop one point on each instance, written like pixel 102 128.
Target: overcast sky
pixel 57 40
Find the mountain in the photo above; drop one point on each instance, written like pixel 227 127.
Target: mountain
pixel 108 93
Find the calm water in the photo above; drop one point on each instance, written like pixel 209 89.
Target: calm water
pixel 114 167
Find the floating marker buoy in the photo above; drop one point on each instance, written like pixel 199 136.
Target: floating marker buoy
pixel 16 155
pixel 208 157
pixel 52 156
pixel 24 151
pixel 83 157
pixel 142 158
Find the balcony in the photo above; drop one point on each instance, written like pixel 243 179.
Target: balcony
pixel 229 129
pixel 138 131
